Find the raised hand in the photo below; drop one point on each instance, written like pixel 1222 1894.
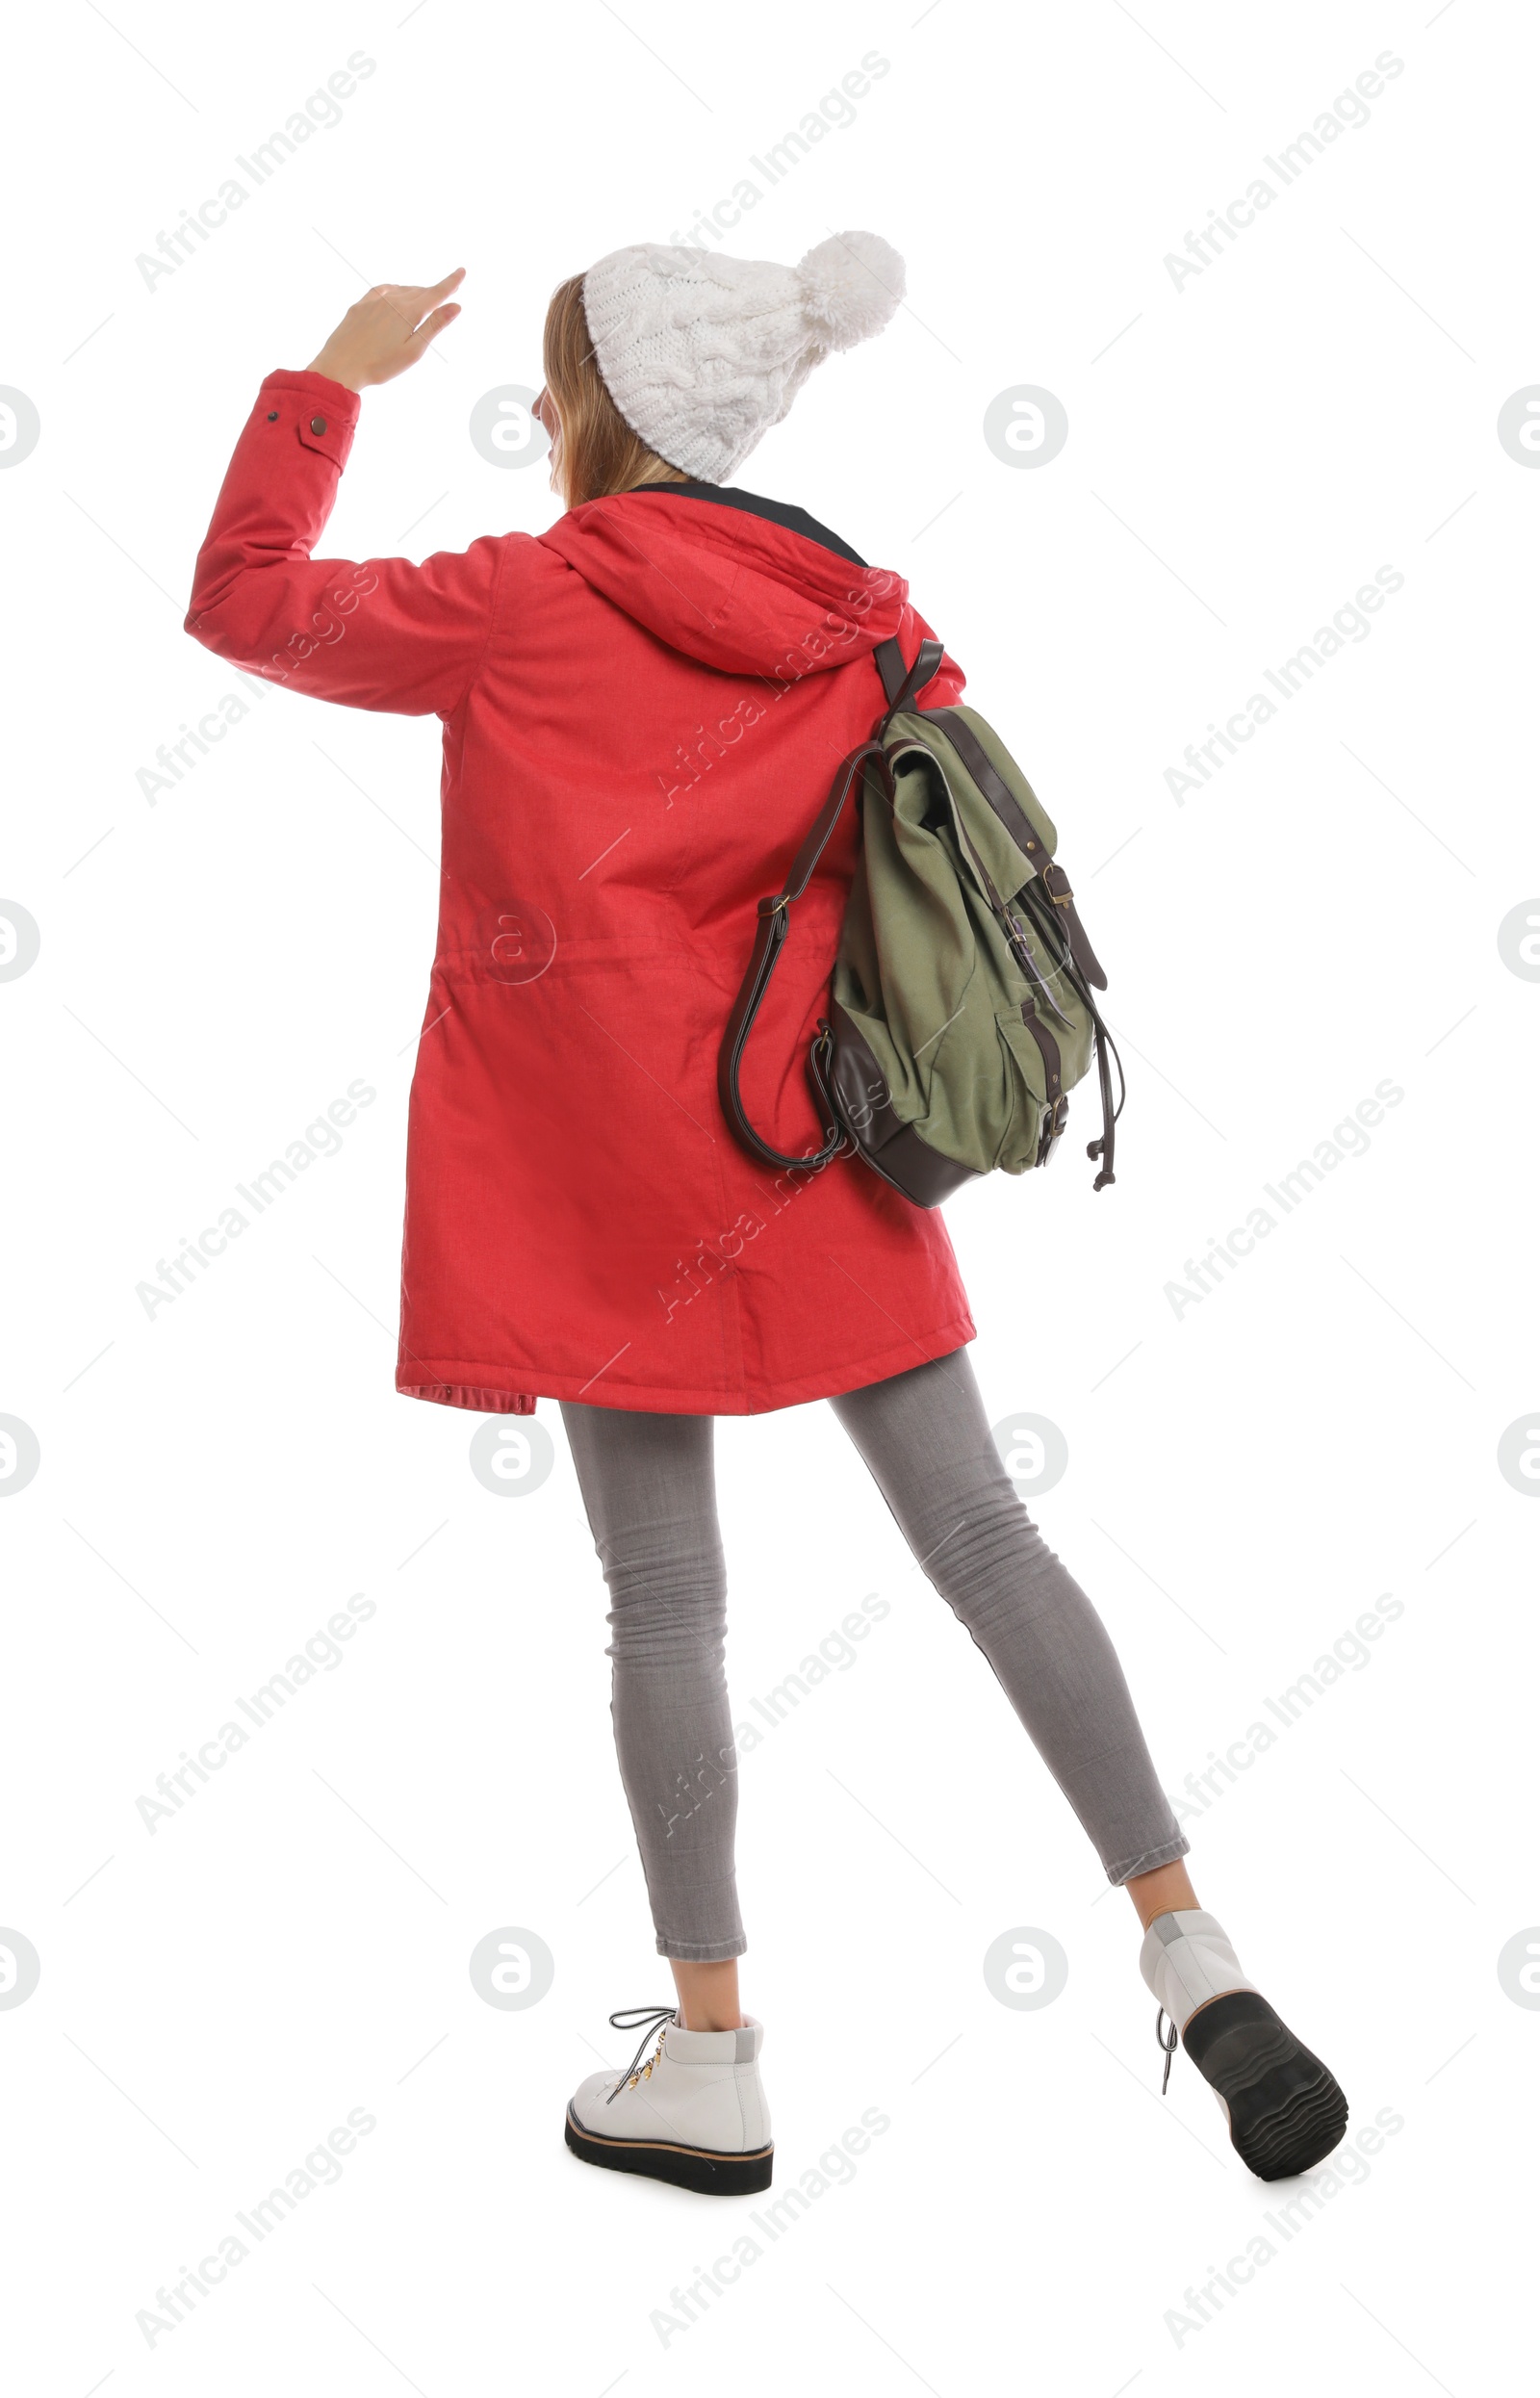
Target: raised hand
pixel 387 331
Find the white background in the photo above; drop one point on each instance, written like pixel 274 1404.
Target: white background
pixel 1245 1478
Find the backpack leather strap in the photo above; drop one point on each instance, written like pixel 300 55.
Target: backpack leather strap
pixel 900 685
pixel 768 941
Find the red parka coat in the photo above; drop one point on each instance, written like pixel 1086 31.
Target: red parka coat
pixel 643 708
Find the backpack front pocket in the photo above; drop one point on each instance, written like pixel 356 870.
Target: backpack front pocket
pixel 1034 1079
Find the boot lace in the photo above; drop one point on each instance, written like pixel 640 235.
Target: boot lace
pixel 656 2020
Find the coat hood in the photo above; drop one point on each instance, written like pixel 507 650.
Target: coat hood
pixel 744 585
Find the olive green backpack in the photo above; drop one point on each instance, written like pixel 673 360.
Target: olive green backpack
pixel 960 1013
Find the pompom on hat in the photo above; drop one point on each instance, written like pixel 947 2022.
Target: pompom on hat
pixel 702 354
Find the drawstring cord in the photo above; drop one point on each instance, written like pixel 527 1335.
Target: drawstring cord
pixel 1169 2044
pixel 656 2020
pixel 1103 1149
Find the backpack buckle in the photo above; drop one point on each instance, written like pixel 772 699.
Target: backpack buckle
pixel 1054 1121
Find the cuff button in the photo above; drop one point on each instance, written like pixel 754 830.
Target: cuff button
pixel 272 416
pixel 318 425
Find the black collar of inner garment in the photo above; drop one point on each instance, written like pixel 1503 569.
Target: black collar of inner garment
pixel 778 511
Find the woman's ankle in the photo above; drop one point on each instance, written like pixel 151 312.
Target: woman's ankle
pixel 708 1995
pixel 1165 1891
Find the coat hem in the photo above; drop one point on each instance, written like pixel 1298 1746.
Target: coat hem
pixel 491 1390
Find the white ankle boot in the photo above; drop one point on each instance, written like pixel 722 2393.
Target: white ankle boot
pixel 1285 2110
pixel 694 2113
pixel 1187 1960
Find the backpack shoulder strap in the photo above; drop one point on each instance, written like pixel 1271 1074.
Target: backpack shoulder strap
pixel 775 916
pixel 900 683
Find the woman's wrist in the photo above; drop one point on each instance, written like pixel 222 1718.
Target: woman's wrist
pixel 336 370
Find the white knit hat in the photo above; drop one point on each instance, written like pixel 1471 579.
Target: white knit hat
pixel 703 354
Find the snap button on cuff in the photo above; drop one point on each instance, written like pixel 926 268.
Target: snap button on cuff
pixel 318 425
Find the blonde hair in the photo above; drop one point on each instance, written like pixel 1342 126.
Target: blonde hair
pixel 598 451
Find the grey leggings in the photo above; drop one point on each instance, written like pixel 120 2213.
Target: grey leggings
pixel 648 1487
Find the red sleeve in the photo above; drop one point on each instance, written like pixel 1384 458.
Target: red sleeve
pixel 383 633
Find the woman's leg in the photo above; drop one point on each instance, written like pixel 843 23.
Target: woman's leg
pixel 649 1487
pixel 926 1438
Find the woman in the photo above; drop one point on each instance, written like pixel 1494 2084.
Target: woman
pixel 641 709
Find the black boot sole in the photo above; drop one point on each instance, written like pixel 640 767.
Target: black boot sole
pixel 706 2170
pixel 1285 2109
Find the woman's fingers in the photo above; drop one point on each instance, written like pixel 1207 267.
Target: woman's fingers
pixel 388 330
pixel 416 299
pixel 430 328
